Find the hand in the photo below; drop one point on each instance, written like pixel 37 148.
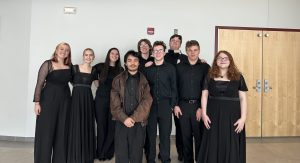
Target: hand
pixel 203 60
pixel 177 111
pixel 206 121
pixel 129 122
pixel 148 64
pixel 240 123
pixel 37 108
pixel 198 114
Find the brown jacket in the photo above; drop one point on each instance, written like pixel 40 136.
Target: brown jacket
pixel 117 99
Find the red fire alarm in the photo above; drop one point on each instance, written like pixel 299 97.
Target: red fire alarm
pixel 150 31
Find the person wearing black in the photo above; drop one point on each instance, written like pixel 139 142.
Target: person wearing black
pixel 130 105
pixel 145 59
pixel 224 113
pixel 144 48
pixel 190 76
pixel 52 99
pixel 162 80
pixel 81 139
pixel 105 125
pixel 175 56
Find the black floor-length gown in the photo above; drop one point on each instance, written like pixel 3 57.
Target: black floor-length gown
pixel 53 93
pixel 220 143
pixel 81 140
pixel 105 124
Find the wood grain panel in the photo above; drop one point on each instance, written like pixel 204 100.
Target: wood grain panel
pixel 246 48
pixel 281 106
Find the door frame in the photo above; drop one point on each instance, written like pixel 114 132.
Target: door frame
pixel 248 28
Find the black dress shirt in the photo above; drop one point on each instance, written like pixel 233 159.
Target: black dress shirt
pixel 105 87
pixel 131 93
pixel 143 62
pixel 175 58
pixel 190 79
pixel 162 81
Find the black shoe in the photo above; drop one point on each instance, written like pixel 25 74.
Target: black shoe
pixel 159 156
pixel 180 158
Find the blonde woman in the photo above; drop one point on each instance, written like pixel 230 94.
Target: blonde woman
pixel 81 141
pixel 52 97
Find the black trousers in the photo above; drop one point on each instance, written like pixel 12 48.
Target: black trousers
pixel 50 143
pixel 191 128
pixel 178 137
pixel 161 114
pixel 129 143
pixel 105 128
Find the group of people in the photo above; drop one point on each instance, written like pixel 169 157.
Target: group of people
pixel 208 105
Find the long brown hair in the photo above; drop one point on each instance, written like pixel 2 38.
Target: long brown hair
pixel 104 72
pixel 146 41
pixel 233 73
pixel 67 60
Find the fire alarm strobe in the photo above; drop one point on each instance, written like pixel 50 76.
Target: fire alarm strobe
pixel 150 31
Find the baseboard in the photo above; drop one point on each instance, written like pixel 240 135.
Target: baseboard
pixel 16 138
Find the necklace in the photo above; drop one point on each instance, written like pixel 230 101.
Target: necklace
pixel 221 76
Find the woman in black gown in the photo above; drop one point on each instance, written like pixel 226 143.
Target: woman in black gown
pixel 52 98
pixel 105 125
pixel 81 141
pixel 224 109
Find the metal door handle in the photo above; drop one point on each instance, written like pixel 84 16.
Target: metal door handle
pixel 257 86
pixel 267 87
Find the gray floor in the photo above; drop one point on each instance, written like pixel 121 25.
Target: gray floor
pixel 267 150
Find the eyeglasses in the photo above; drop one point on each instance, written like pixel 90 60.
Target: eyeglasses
pixel 158 51
pixel 144 45
pixel 222 58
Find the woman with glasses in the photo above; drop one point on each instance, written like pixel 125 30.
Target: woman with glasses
pixel 224 110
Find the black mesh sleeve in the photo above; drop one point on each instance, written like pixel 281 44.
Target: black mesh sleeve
pixel 43 72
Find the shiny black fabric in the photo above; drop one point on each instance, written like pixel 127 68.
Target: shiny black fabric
pixel 221 144
pixel 53 93
pixel 81 139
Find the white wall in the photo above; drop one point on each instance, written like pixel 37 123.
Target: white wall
pixel 14 54
pixel 105 24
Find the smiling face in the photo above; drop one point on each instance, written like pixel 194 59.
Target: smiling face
pixel 175 43
pixel 158 52
pixel 223 61
pixel 144 48
pixel 88 56
pixel 62 51
pixel 114 56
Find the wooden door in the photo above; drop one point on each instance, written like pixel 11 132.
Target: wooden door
pixel 246 48
pixel 281 68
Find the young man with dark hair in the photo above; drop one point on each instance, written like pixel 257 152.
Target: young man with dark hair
pixel 162 80
pixel 130 106
pixel 175 56
pixel 190 77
